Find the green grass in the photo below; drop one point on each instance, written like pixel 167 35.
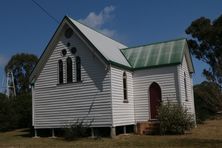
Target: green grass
pixel 205 135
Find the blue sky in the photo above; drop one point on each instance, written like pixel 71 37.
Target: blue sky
pixel 26 28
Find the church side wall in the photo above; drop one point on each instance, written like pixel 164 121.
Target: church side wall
pixel 123 112
pixel 166 77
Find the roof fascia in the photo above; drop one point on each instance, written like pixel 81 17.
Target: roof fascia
pixel 89 44
pixel 120 65
pixel 156 66
pixel 34 74
pixel 189 58
pixel 52 43
pixel 141 68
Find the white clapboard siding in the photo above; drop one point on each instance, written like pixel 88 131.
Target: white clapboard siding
pixel 57 105
pixel 189 104
pixel 166 77
pixel 123 113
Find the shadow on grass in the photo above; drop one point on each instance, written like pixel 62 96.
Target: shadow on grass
pixel 45 133
pixel 27 132
pixel 198 142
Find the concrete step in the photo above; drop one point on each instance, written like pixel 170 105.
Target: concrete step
pixel 151 132
pixel 153 125
pixel 148 128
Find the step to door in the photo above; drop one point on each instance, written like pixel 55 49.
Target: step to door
pixel 148 128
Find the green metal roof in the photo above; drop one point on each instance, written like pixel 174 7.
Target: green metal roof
pixel 156 54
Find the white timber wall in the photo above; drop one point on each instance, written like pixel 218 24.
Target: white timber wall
pixel 56 105
pixel 123 113
pixel 188 101
pixel 166 77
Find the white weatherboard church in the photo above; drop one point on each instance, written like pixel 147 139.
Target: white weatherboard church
pixel 84 74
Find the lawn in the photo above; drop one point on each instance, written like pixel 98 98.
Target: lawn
pixel 205 135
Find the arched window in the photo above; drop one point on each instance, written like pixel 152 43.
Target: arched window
pixel 60 63
pixel 185 86
pixel 69 70
pixel 78 69
pixel 125 87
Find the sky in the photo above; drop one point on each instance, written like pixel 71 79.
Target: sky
pixel 26 28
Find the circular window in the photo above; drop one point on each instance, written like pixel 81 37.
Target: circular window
pixel 73 50
pixel 68 44
pixel 68 33
pixel 64 52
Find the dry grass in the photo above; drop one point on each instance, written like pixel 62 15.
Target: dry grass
pixel 205 135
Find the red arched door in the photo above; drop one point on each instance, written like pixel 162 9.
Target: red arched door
pixel 155 99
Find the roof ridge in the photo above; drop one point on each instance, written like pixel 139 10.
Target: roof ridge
pixel 108 46
pixel 154 43
pixel 95 30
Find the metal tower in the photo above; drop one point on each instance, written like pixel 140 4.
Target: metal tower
pixel 10 88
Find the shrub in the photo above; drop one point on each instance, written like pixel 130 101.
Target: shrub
pixel 77 129
pixel 80 127
pixel 174 119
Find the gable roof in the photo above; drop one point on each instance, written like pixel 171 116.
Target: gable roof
pixel 108 47
pixel 115 53
pixel 156 54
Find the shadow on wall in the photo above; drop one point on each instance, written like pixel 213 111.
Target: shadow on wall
pixel 96 73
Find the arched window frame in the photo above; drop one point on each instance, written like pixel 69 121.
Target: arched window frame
pixel 60 72
pixel 185 86
pixel 78 69
pixel 69 71
pixel 125 90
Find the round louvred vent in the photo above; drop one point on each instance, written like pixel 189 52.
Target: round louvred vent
pixel 73 50
pixel 68 33
pixel 64 52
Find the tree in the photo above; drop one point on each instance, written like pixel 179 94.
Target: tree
pixel 21 65
pixel 23 107
pixel 206 45
pixel 207 100
pixel 8 115
pixel 15 112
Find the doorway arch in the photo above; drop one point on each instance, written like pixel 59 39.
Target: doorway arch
pixel 154 99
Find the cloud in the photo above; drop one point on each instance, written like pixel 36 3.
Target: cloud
pixel 108 32
pixel 97 21
pixel 3 61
